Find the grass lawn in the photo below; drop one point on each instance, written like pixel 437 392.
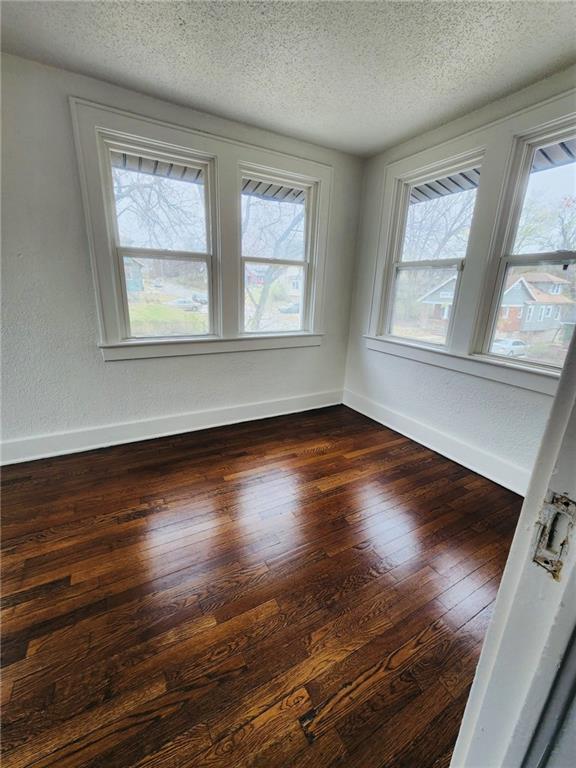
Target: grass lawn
pixel 155 319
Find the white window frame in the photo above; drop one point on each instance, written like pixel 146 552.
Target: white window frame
pixel 310 188
pixel 96 129
pixel 400 192
pixel 481 279
pixel 108 143
pixel 524 148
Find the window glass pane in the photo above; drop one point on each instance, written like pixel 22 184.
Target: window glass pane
pixel 439 217
pixel 548 218
pixel 167 297
pixel 159 205
pixel 537 313
pixel 273 297
pixel 273 221
pixel 422 303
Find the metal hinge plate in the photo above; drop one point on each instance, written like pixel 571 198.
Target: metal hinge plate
pixel 555 524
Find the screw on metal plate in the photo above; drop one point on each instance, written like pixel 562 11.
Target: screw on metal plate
pixel 557 518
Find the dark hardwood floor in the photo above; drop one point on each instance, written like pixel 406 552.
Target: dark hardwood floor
pixel 309 590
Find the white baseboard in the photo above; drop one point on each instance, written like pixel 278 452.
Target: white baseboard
pixel 499 470
pixel 505 473
pixel 74 441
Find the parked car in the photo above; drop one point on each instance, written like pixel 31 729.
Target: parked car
pixel 291 309
pixel 510 347
pixel 187 304
pixel 201 298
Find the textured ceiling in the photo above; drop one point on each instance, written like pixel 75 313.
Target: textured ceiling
pixel 357 76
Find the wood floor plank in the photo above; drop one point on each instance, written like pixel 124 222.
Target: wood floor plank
pixel 308 590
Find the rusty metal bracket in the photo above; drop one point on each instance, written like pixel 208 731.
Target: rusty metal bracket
pixel 555 523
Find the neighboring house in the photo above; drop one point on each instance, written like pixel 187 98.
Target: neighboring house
pixel 532 303
pixel 537 302
pixel 133 272
pixel 255 277
pixel 440 299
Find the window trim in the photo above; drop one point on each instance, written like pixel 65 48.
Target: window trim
pixel 504 370
pixel 224 157
pixel 311 187
pixel 107 143
pixel 402 183
pixel 498 141
pixel 524 147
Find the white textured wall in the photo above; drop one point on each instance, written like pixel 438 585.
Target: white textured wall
pixel 55 381
pixel 54 377
pixel 492 427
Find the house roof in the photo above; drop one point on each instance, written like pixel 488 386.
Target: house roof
pixel 536 296
pixel 437 288
pixel 543 277
pixel 541 297
pixel 527 280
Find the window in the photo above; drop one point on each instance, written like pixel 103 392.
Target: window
pixel 162 240
pixel 199 244
pixel 539 269
pixel 464 271
pixel 274 255
pixel 431 256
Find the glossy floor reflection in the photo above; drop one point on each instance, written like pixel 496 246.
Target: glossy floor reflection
pixel 306 590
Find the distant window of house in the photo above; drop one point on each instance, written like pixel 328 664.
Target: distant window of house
pixel 161 212
pixel 505 313
pixel 275 255
pixel 438 216
pixel 541 260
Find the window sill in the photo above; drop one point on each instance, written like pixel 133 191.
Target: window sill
pixel 137 349
pixel 514 374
